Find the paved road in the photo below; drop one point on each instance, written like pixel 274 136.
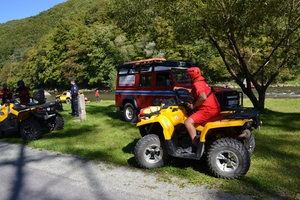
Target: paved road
pixel 29 174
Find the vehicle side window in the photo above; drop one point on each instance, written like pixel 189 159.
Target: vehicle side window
pixel 163 80
pixel 145 80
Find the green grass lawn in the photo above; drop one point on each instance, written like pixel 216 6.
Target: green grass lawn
pixel 104 136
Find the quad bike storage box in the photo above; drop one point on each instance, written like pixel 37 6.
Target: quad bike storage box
pixel 39 95
pixel 229 99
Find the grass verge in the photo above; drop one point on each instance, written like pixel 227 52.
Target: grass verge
pixel 104 136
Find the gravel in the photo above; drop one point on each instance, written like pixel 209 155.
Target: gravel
pixel 27 173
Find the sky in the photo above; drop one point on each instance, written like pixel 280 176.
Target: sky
pixel 19 9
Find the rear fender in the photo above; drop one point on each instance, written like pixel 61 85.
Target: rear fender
pixel 23 115
pixel 222 124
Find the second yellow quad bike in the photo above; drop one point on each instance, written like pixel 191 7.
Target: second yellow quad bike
pixel 16 118
pixel 29 120
pixel 226 140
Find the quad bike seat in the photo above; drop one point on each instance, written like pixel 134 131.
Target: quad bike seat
pixel 18 107
pixel 216 118
pixel 240 113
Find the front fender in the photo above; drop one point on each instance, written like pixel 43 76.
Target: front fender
pixel 165 123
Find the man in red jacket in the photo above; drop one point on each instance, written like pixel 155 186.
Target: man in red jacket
pixel 6 93
pixel 23 92
pixel 205 105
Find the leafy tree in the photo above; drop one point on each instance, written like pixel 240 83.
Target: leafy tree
pixel 256 40
pixel 108 46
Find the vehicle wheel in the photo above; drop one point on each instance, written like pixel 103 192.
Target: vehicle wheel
pixel 250 143
pixel 30 130
pixel 149 152
pixel 59 122
pixel 130 113
pixel 228 158
pixel 68 101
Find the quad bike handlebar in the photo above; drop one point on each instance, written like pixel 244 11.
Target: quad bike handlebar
pixel 185 104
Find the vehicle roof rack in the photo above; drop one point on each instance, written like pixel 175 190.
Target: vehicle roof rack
pixel 155 62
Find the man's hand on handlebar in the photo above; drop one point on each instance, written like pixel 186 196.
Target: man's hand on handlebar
pixel 190 106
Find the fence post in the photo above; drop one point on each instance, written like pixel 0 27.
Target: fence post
pixel 81 107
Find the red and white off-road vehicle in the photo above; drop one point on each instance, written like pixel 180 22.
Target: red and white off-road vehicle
pixel 150 82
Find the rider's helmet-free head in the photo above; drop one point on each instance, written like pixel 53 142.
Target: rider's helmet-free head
pixel 193 73
pixel 20 83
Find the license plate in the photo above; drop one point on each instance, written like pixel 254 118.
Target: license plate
pixel 232 102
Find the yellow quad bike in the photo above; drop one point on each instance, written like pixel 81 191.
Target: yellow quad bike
pixel 17 118
pixel 226 140
pixel 31 119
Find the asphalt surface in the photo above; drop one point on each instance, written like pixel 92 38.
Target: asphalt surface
pixel 30 174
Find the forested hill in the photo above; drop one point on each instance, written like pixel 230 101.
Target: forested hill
pixel 17 35
pixel 86 39
pixel 27 46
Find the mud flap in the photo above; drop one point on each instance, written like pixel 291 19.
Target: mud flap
pixel 200 150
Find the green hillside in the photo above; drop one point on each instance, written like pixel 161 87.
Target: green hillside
pixel 18 35
pixel 26 43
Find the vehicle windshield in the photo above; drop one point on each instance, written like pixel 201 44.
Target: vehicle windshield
pixel 180 75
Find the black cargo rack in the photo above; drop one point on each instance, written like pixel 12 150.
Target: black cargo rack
pixel 153 62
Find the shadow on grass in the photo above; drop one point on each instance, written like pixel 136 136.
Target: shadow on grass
pixel 115 118
pixel 130 149
pixel 276 151
pixel 283 121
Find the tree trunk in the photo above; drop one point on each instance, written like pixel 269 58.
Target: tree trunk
pixel 261 98
pixel 258 102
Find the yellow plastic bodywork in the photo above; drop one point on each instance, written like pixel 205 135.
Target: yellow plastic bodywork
pixel 168 118
pixel 173 115
pixel 7 109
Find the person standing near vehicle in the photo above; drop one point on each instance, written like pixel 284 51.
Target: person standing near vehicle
pixel 23 92
pixel 74 95
pixel 97 95
pixel 205 105
pixel 6 93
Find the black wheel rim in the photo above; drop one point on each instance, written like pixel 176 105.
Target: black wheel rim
pixel 153 153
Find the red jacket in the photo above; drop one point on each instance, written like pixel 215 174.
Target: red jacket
pixel 24 95
pixel 5 94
